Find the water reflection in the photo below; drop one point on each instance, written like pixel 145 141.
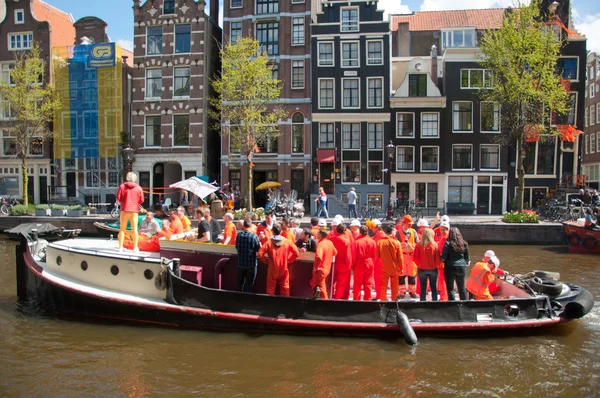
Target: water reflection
pixel 44 356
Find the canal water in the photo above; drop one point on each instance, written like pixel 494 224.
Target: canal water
pixel 43 356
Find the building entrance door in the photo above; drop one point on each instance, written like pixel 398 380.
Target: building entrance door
pixel 483 200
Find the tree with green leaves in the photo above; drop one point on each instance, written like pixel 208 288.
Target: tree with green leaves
pixel 30 104
pixel 522 56
pixel 247 101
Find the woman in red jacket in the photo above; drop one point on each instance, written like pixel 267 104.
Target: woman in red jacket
pixel 427 257
pixel 130 196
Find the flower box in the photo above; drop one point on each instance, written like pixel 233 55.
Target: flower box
pixel 75 213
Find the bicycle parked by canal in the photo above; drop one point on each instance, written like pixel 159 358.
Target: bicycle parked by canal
pixel 7 204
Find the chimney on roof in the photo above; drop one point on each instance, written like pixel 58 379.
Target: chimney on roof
pixel 403 39
pixel 434 64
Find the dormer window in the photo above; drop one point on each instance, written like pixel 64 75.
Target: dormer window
pixel 349 19
pixel 19 17
pixel 417 85
pixel 458 38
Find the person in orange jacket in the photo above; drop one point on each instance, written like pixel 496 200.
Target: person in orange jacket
pixel 375 226
pixel 277 253
pixel 343 261
pixel 322 265
pixel 408 239
pixel 364 254
pixel 314 226
pixel 263 231
pixel 493 287
pixel 480 279
pixel 286 232
pixel 389 251
pixel 440 239
pixel 229 232
pixel 185 221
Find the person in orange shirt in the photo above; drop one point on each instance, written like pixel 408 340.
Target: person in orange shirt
pixel 165 231
pixel 389 251
pixel 176 225
pixel 314 226
pixel 286 232
pixel 229 233
pixel 277 253
pixel 355 229
pixel 437 232
pixel 343 262
pixel 322 265
pixel 185 221
pixel 377 235
pixel 408 240
pixel 440 239
pixel 264 228
pixel 364 254
pixel 427 257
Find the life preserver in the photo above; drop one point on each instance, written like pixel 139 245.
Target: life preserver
pixel 573 239
pixel 589 242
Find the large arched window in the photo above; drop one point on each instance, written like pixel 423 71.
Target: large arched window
pixel 297 133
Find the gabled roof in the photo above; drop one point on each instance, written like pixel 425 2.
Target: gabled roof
pixel 490 18
pixel 61 23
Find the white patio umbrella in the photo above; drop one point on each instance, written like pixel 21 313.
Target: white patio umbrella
pixel 196 186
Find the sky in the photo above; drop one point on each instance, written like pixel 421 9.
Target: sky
pixel 118 14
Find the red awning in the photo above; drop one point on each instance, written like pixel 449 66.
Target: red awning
pixel 326 155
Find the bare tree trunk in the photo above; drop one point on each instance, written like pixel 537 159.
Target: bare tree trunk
pixel 25 181
pixel 520 175
pixel 250 186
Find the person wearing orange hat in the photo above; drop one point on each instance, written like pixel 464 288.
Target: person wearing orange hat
pixel 408 239
pixel 375 226
pixel 389 251
pixel 343 261
pixel 322 265
pixel 364 256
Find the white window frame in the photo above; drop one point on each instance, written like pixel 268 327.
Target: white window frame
pixel 428 137
pixel 597 141
pixel 162 41
pixel 585 117
pixel 481 117
pixel 190 77
pixel 319 53
pixel 462 145
pixel 413 126
pixel 437 169
pixel 592 143
pixel 351 25
pixel 381 89
pixel 173 130
pixel 396 160
pixel 5 134
pixel 294 124
pixel 576 68
pixel 303 74
pixel 448 33
pixel 297 1
pixel 146 132
pixel 5 113
pixel 5 68
pixel 332 133
pixel 484 72
pixel 357 59
pixel 592 90
pixel 319 93
pixel 598 113
pixel 238 32
pixel 373 150
pixel 586 144
pixel 357 150
pixel 592 115
pixel 471 123
pixel 231 7
pixel 303 31
pixel 342 99
pixel 22 12
pixel 535 164
pixel 367 52
pixel 146 83
pixel 21 34
pixel 481 156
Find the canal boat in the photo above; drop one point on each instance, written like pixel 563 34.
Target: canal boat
pixel 581 239
pixel 192 285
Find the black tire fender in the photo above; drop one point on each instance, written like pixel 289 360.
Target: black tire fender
pixel 589 242
pixel 573 239
pixel 547 274
pixel 546 286
pixel 404 325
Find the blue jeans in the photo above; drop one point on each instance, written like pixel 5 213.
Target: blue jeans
pixel 431 275
pixel 246 277
pixel 322 207
pixel 352 209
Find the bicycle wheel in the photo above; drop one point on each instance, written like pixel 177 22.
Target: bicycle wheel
pixel 5 209
pixel 363 213
pixel 114 213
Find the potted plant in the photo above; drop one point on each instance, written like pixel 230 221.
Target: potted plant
pixel 57 210
pixel 75 211
pixel 42 210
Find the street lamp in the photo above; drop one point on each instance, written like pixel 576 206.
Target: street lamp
pixel 391 149
pixel 128 156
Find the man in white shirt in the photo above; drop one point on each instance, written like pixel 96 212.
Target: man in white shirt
pixel 149 226
pixel 352 203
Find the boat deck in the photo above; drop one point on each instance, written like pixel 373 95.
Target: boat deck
pixel 103 248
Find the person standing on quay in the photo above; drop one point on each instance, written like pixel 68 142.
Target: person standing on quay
pixel 277 253
pixel 247 246
pixel 130 196
pixel 456 259
pixel 389 252
pixel 322 265
pixel 352 203
pixel 322 203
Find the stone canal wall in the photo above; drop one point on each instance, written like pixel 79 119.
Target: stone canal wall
pixel 473 231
